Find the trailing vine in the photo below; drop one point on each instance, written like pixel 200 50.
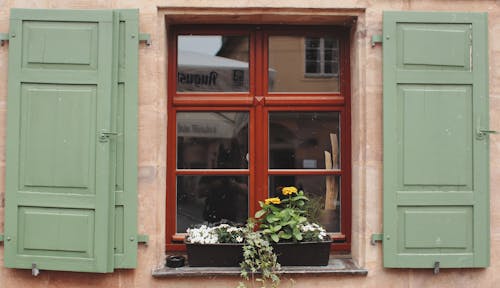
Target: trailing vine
pixel 260 262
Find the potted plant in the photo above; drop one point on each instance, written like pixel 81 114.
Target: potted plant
pixel 284 237
pixel 296 241
pixel 215 246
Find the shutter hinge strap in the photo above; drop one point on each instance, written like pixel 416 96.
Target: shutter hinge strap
pixel 143 238
pixel 4 37
pixel 145 37
pixel 377 238
pixel 377 39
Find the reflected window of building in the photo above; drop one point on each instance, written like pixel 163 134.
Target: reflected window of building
pixel 321 57
pixel 303 64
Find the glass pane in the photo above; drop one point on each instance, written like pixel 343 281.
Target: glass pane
pixel 210 199
pixel 212 140
pixel 295 64
pixel 312 67
pixel 304 140
pixel 328 55
pixel 331 42
pixel 328 67
pixel 313 42
pixel 323 192
pixel 212 63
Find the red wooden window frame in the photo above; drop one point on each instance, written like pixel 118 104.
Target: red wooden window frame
pixel 259 102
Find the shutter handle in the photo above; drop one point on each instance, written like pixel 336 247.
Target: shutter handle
pixel 104 136
pixel 481 133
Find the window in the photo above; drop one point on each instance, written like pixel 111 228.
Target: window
pixel 246 121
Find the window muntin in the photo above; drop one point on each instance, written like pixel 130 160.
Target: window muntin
pixel 212 63
pixel 212 140
pixel 304 140
pixel 289 72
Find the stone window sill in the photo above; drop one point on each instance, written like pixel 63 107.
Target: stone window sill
pixel 336 266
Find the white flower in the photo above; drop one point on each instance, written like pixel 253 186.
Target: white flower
pixel 239 239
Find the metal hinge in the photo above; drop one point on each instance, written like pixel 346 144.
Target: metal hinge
pixel 377 39
pixel 143 238
pixel 1 237
pixel 145 37
pixel 4 37
pixel 377 238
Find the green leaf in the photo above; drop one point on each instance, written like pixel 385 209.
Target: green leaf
pixel 260 213
pixel 300 197
pixel 297 236
pixel 272 219
pixel 275 238
pixel 276 228
pixel 285 236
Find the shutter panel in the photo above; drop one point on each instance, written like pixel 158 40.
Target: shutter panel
pixel 60 171
pixel 126 145
pixel 436 177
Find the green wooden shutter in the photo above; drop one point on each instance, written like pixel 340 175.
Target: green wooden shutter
pixel 436 194
pixel 61 165
pixel 126 145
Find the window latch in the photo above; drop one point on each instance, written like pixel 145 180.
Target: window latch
pixel 104 136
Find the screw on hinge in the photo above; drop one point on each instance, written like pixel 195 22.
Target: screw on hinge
pixel 436 268
pixel 34 270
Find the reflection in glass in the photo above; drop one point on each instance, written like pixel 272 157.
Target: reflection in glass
pixel 303 64
pixel 304 140
pixel 323 192
pixel 210 199
pixel 212 140
pixel 212 63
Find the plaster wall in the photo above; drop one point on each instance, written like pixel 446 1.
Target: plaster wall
pixel 366 79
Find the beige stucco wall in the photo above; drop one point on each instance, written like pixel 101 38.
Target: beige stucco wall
pixel 366 137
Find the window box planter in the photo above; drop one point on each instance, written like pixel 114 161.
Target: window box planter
pixel 214 255
pixel 303 253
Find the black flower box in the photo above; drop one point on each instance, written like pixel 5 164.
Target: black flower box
pixel 214 255
pixel 303 253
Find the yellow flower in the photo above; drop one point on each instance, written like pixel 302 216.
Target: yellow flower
pixel 275 200
pixel 289 190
